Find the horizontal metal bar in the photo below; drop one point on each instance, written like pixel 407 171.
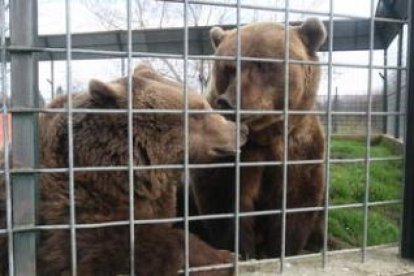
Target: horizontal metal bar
pixel 25 228
pixel 123 54
pixel 204 111
pixel 358 160
pixel 207 268
pixel 119 168
pixel 315 209
pixel 199 166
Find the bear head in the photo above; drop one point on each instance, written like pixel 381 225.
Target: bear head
pixel 262 83
pixel 158 137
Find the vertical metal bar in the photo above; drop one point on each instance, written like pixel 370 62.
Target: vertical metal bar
pixel 24 77
pixel 130 144
pixel 186 144
pixel 368 140
pixel 285 139
pixel 5 117
pixel 237 161
pixel 70 138
pixel 385 94
pixel 52 78
pixel 123 67
pixel 397 125
pixel 336 120
pixel 407 237
pixel 328 138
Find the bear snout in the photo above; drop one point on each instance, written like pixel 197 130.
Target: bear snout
pixel 229 148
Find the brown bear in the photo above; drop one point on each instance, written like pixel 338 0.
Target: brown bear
pixel 262 88
pixel 103 196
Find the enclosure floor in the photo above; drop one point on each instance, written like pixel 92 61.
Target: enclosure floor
pixel 384 261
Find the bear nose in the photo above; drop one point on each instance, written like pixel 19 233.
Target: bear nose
pixel 224 103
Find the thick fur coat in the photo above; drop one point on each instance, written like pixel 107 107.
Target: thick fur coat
pixel 261 187
pixel 101 140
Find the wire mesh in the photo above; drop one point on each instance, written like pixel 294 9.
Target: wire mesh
pixel 328 137
pixel 70 138
pixel 328 112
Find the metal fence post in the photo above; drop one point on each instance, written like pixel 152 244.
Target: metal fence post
pixel 407 241
pixel 397 126
pixel 24 79
pixel 385 94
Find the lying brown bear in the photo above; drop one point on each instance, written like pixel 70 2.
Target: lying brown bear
pixel 262 88
pixel 102 196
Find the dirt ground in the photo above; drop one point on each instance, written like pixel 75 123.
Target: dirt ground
pixel 380 261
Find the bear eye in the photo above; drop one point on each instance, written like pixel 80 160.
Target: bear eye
pixel 229 70
pixel 262 66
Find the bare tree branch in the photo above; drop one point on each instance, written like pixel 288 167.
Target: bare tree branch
pixel 146 14
pixel 140 14
pixel 162 14
pixel 193 13
pixel 102 15
pixel 172 69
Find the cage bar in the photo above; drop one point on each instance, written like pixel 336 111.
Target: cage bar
pixel 328 138
pixel 130 142
pixel 6 148
pixel 285 138
pixel 25 48
pixel 351 34
pixel 368 137
pixel 186 145
pixel 397 125
pixel 238 158
pixel 385 92
pixel 407 241
pixel 72 208
pixel 24 78
pixel 195 218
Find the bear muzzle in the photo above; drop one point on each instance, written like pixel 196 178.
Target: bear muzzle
pixel 230 149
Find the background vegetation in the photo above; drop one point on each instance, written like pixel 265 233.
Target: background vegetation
pixel 348 186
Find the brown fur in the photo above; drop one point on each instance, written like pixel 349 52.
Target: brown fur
pixel 262 88
pixel 102 140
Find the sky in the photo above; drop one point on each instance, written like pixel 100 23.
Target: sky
pixel 86 16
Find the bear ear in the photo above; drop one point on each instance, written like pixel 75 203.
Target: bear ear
pixel 313 33
pixel 144 70
pixel 104 94
pixel 216 36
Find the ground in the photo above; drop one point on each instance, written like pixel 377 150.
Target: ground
pixel 380 262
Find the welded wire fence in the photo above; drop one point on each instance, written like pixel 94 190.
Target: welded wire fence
pixel 352 124
pixel 362 114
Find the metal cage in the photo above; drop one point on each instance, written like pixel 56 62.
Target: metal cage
pixel 25 48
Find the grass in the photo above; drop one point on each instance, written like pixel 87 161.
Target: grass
pixel 348 186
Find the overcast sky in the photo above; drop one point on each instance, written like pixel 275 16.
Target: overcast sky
pixel 84 19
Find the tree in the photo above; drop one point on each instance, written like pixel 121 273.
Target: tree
pixel 161 14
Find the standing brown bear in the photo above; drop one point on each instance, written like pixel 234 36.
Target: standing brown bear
pixel 103 196
pixel 262 88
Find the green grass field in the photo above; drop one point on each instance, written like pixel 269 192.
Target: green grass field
pixel 348 186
